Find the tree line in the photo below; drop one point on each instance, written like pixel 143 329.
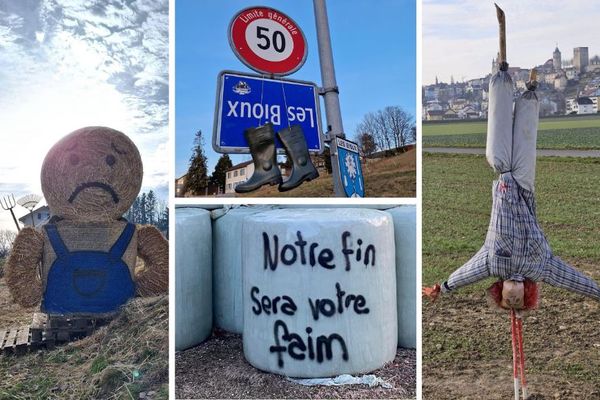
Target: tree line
pixel 147 209
pixel 197 179
pixel 385 130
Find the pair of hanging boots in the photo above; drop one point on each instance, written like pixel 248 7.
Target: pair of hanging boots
pixel 261 141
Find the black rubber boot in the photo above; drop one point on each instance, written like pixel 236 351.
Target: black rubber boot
pixel 302 167
pixel 261 141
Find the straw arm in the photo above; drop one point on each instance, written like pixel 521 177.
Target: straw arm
pixel 153 248
pixel 22 277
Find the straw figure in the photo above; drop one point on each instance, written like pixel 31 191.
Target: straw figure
pixel 515 248
pixel 83 261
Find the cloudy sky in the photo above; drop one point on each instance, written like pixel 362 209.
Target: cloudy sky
pixel 65 64
pixel 460 37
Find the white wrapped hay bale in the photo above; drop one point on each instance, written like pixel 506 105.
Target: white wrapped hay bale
pixel 405 232
pixel 227 265
pixel 193 276
pixel 527 111
pixel 319 291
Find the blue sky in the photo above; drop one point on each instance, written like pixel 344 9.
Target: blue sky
pixel 374 54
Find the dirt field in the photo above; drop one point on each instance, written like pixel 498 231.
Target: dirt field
pixel 217 369
pixel 466 344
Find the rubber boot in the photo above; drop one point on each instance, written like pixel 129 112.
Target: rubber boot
pixel 302 167
pixel 261 141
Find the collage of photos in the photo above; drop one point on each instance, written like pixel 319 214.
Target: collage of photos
pixel 291 200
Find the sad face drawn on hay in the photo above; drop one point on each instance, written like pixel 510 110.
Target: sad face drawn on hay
pixel 87 251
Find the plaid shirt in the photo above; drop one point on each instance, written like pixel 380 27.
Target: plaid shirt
pixel 515 247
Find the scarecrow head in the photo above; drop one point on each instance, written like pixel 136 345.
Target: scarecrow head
pixel 92 174
pixel 509 294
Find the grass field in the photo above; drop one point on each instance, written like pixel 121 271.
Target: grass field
pixel 554 133
pixel 386 177
pixel 466 344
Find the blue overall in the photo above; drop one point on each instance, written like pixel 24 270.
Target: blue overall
pixel 82 282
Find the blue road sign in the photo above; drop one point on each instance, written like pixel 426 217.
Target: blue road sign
pixel 248 100
pixel 350 169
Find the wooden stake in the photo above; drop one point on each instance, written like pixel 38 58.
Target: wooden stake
pixel 502 25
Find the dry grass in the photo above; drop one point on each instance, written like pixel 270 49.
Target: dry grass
pixel 217 369
pixel 120 361
pixel 387 177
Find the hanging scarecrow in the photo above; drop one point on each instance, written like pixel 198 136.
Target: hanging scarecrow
pixel 82 262
pixel 515 249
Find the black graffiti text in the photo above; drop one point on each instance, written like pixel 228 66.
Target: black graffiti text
pixel 319 348
pixel 343 301
pixel 347 251
pixel 268 305
pixel 296 252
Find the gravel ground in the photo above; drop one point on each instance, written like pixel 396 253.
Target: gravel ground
pixel 217 369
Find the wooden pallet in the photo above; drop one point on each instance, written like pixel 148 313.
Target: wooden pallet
pixel 45 332
pixel 17 340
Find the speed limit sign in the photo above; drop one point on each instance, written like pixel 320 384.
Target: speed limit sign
pixel 267 41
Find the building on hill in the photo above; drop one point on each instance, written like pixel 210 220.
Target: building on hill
pixel 560 81
pixel 585 106
pixel 556 59
pixel 434 115
pixel 580 59
pixel 581 105
pixel 594 65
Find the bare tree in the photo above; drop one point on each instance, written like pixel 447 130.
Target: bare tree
pixel 390 128
pixel 366 142
pixel 7 238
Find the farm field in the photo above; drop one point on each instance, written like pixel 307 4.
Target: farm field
pixel 553 133
pixel 466 344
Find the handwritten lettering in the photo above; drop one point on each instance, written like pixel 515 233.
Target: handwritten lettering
pixel 296 347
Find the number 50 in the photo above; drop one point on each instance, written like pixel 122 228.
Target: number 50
pixel 278 39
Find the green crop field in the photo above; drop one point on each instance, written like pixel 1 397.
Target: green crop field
pixel 582 133
pixel 572 138
pixel 473 127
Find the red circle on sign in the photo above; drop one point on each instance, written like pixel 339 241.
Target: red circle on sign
pixel 267 41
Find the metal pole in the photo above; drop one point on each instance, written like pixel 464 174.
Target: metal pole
pixel 330 89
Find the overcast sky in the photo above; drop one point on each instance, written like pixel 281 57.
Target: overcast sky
pixel 460 37
pixel 65 64
pixel 374 46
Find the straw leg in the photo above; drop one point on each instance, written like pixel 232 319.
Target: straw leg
pixel 521 355
pixel 513 326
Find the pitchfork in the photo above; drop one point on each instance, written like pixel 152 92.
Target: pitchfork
pixel 8 203
pixel 516 319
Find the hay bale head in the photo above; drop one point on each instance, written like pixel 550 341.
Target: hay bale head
pixel 92 174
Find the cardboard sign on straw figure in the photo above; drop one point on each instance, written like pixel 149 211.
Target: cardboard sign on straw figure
pixel 87 251
pixel 515 248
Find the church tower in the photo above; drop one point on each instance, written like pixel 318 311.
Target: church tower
pixel 556 61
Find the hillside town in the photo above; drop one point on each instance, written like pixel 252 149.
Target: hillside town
pixel 565 87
